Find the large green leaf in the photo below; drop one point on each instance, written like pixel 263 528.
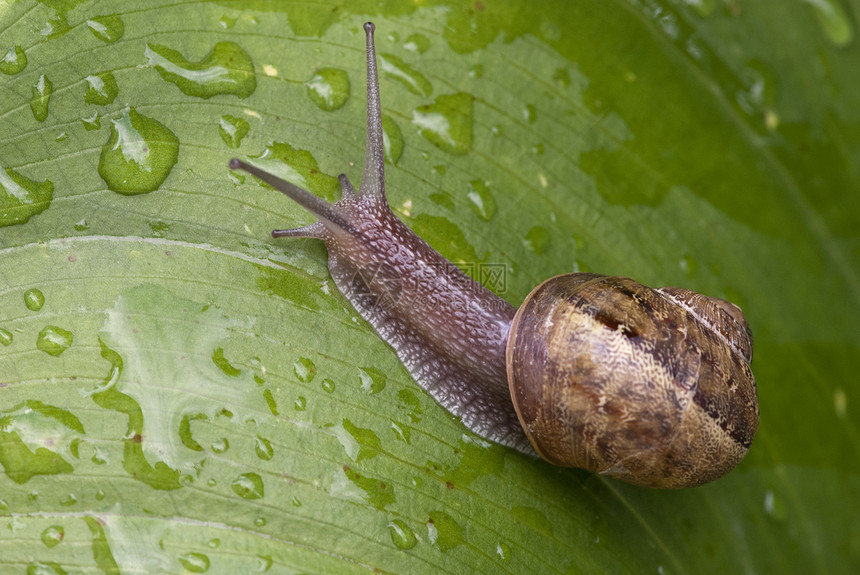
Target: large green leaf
pixel 180 392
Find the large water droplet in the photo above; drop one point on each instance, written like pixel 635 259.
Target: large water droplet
pixel 224 364
pixel 227 69
pixel 398 70
pixel 42 90
pixel 14 61
pixel 377 493
pixel 401 535
pixel 537 239
pixel 21 197
pixel 328 385
pixel 233 129
pixel 392 139
pixel 54 340
pixel 139 154
pixel 443 531
pixel 372 380
pixel 833 21
pixel 483 202
pixel 92 123
pixel 34 299
pixel 248 486
pixel 329 88
pixel 5 337
pixel 27 429
pixel 503 550
pixel 102 89
pixel 410 400
pixel 417 43
pixel 305 370
pixel 53 535
pixel 108 28
pixel 195 562
pixel 447 124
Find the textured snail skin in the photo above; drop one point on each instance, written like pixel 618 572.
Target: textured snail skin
pixel 650 386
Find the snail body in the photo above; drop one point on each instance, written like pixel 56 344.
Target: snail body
pixel 652 387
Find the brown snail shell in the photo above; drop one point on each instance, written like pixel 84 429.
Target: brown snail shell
pixel 615 377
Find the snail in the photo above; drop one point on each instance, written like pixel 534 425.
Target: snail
pixel 649 386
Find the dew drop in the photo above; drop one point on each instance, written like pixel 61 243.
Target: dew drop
pixel 270 401
pixel 296 501
pixel 503 550
pixel 53 535
pixel 401 535
pixel 301 403
pixel 195 562
pixel 305 370
pixel 398 70
pixel 233 129
pixel 689 266
pixel 298 167
pixel 833 21
pixel 221 362
pixel 562 77
pixel 92 123
pixel 44 568
pixel 328 88
pixel 328 385
pixel 108 28
pixel 220 445
pixel 54 340
pixel 704 7
pixel 372 381
pixel 14 61
pixel 248 486
pixel 392 139
pixel 102 89
pixel 21 197
pixel 443 531
pixel 139 154
pixel 264 563
pixel 417 43
pixel 42 90
pixel 530 114
pixel 34 299
pixel 263 447
pixel 401 432
pixel 69 500
pixel 537 240
pixel 482 201
pixel 410 400
pixel 260 521
pixel 227 69
pixel 447 123
pixel 477 71
pixel 82 226
pixel 5 337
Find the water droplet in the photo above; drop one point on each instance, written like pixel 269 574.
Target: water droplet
pixel 226 21
pixel 264 563
pixel 223 364
pixel 42 90
pixel 34 299
pixel 409 399
pixel 220 445
pixel 401 535
pixel 401 432
pixel 364 440
pixel 139 154
pixel 301 403
pixel 233 129
pixel 21 197
pixel 227 69
pixel 533 518
pixel 14 61
pixel 305 370
pixel 54 340
pixel 398 70
pixel 260 521
pixel 195 562
pixel 263 447
pixel 82 226
pixel 503 550
pixel 108 28
pixel 213 543
pixel 329 88
pixel 45 568
pixel 69 500
pixel 537 149
pixel 443 531
pixel 483 202
pixel 392 139
pixel 102 89
pixel 3 505
pixel 447 124
pixel 5 337
pixel 537 239
pixel 703 7
pixel 270 401
pixel 443 199
pixel 372 381
pixel 248 486
pixel 53 535
pixel 774 506
pixel 377 493
pixel 296 501
pixel 92 123
pixel 562 77
pixel 689 266
pixel 328 385
pixel 62 136
pixel 298 167
pixel 530 114
pixel 833 21
pixel 417 43
pixel 477 71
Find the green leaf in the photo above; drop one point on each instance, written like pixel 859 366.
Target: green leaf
pixel 204 400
